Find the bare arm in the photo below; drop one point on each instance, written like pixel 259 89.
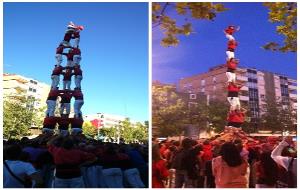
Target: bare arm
pixel 276 155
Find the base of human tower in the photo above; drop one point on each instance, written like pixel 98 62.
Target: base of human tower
pixel 233 133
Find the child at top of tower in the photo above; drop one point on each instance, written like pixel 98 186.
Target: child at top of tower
pixel 230 30
pixel 72 32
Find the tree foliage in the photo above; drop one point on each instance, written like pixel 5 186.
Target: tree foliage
pixel 169 26
pixel 277 117
pixel 88 129
pixel 170 113
pixel 19 115
pixel 167 110
pixel 126 131
pixel 285 14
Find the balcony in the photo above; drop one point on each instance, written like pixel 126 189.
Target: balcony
pixel 241 78
pixel 244 98
pixel 245 88
pixel 293 96
pixel 292 87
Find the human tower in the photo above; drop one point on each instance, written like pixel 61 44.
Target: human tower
pixel 236 115
pixel 62 95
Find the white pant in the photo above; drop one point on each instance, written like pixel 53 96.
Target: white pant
pixel 76 42
pixel 229 37
pixel 64 106
pixel 76 59
pixel 77 106
pixel 50 107
pixel 76 131
pixel 55 81
pixel 234 103
pixel 231 77
pixel 70 63
pixel 59 59
pixel 229 54
pixel 64 132
pixel 67 85
pixel 47 130
pixel 65 43
pixel 77 80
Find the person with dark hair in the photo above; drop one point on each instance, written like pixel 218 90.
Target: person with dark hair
pixel 285 156
pixel 68 160
pixel 230 169
pixel 266 171
pixel 159 169
pixel 16 173
pixel 181 176
pixel 51 102
pixel 192 166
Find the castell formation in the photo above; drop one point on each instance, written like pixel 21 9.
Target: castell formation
pixel 63 93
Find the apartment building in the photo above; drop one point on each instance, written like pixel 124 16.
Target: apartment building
pixel 13 83
pixel 258 87
pixel 107 120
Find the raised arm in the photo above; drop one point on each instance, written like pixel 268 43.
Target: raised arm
pixel 276 155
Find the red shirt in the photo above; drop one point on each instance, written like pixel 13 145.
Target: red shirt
pixel 67 75
pixel 49 121
pixel 232 44
pixel 233 88
pixel 57 70
pixel 238 117
pixel 230 30
pixel 53 95
pixel 68 36
pixel 159 172
pixel 70 56
pixel 60 49
pixel 76 51
pixel 73 156
pixel 66 97
pixel 63 121
pixel 77 71
pixel 231 64
pixel 76 123
pixel 78 95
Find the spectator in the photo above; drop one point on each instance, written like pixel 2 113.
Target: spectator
pixel 285 156
pixel 230 169
pixel 16 173
pixel 159 169
pixel 266 171
pixel 68 161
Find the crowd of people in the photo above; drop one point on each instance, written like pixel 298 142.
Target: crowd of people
pixel 58 161
pixel 211 163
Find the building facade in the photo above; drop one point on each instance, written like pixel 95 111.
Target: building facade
pixel 13 83
pixel 107 120
pixel 258 86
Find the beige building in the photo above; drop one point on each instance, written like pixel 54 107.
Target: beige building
pixel 258 86
pixel 31 87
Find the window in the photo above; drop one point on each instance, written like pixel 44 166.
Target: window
pixel 192 105
pixel 30 89
pixel 33 90
pixel 203 90
pixel 214 88
pixel 202 82
pixel 193 96
pixel 252 85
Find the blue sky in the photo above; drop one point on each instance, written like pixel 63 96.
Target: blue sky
pixel 206 48
pixel 114 49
